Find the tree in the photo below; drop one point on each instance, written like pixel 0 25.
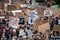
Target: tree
pixel 40 1
pixel 57 1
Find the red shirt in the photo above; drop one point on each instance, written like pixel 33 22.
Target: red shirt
pixel 0 29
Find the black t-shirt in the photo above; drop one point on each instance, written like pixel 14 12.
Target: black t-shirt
pixel 0 24
pixel 56 21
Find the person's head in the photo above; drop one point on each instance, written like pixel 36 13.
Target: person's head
pixel 40 33
pixel 7 28
pixel 15 36
pixel 56 17
pixel 31 28
pixel 14 30
pixel 10 37
pixel 11 30
pixel 4 30
pixel 3 35
pixel 28 28
pixel 24 37
pixel 21 27
pixel 1 38
pixel 55 33
pixel 35 31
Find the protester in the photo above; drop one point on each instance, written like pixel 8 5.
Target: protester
pixel 56 20
pixel 51 24
pixel 25 32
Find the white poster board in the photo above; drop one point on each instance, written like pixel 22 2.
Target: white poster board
pixel 47 13
pixel 32 17
pixel 14 12
pixel 13 22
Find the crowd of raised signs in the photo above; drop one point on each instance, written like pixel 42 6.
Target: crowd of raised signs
pixel 26 32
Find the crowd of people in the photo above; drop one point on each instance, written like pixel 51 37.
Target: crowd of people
pixel 22 33
pixel 26 32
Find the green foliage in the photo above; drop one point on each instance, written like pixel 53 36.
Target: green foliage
pixel 39 1
pixel 57 1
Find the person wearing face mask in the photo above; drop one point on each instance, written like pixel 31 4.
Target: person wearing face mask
pixel 14 37
pixel 21 33
pixel 29 33
pixel 3 36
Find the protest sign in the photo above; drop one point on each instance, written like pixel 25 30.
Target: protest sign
pixel 13 22
pixel 47 13
pixel 32 16
pixel 44 27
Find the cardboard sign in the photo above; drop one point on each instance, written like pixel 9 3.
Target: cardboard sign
pixel 47 13
pixel 44 27
pixel 11 7
pixel 13 22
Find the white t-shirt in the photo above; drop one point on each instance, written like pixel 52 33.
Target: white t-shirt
pixel 21 32
pixel 30 33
